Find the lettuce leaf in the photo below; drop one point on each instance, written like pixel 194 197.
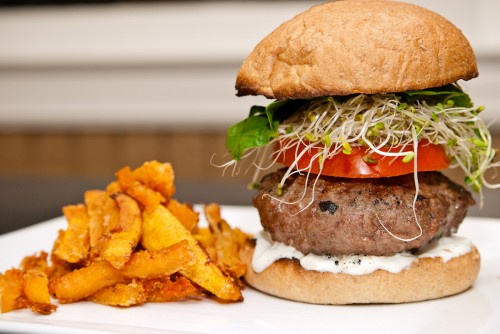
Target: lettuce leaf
pixel 441 95
pixel 260 127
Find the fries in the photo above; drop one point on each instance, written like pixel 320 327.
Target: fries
pixel 166 261
pixel 128 183
pixel 11 285
pixel 184 213
pixel 157 176
pixel 162 228
pixel 157 290
pixel 74 245
pixel 126 235
pixel 27 288
pixel 169 289
pixel 93 202
pixel 227 242
pixel 130 244
pixel 104 216
pixel 81 283
pixel 35 262
pixel 120 295
pixel 36 289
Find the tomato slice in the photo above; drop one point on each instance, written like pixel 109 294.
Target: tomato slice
pixel 430 157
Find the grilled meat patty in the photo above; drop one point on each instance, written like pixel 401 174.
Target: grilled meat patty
pixel 347 216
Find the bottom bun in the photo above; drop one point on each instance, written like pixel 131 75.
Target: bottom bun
pixel 427 278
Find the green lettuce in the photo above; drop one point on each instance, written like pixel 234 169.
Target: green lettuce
pixel 440 95
pixel 260 127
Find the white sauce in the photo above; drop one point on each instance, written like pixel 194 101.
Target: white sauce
pixel 268 251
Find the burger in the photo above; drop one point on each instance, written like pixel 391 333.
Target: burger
pixel 366 111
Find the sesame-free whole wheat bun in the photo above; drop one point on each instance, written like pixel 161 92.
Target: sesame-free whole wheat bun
pixel 348 47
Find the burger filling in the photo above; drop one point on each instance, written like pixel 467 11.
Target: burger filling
pixel 387 128
pixel 360 216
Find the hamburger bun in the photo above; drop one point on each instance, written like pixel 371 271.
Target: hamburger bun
pixel 360 83
pixel 350 47
pixel 427 278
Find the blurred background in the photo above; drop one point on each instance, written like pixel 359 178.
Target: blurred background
pixel 87 87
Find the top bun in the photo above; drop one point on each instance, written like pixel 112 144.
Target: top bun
pixel 349 47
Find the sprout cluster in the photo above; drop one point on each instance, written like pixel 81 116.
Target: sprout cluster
pixel 384 120
pixel 391 125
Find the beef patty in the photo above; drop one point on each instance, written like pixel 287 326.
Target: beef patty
pixel 347 216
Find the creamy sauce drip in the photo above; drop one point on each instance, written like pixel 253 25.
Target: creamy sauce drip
pixel 268 251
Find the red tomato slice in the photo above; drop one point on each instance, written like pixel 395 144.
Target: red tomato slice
pixel 430 157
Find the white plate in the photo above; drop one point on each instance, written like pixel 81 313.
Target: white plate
pixel 476 310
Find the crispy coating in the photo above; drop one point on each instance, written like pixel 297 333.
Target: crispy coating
pixel 162 228
pixel 74 244
pixel 99 257
pixel 82 283
pixel 126 235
